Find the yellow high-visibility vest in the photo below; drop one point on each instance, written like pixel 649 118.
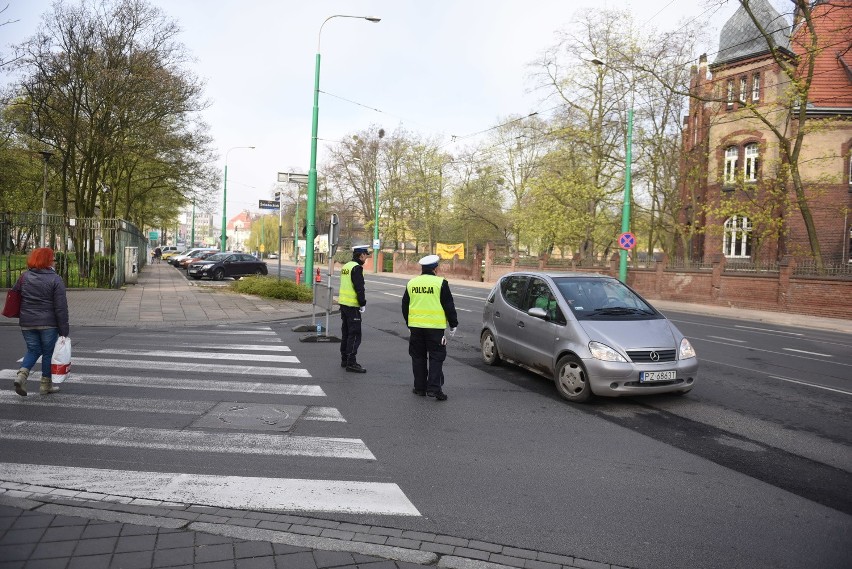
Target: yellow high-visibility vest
pixel 424 307
pixel 347 295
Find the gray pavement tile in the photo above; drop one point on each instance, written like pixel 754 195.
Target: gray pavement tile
pixel 175 540
pixel 288 519
pixel 132 529
pixel 325 559
pixel 275 526
pixel 58 563
pixel 31 520
pixel 305 530
pixel 252 549
pixel 472 553
pixel 243 522
pixel 9 512
pixel 419 535
pixel 65 521
pixel 132 560
pixel 16 551
pixel 337 534
pixel 383 564
pixel 390 532
pixel 229 564
pixel 449 540
pixel 485 546
pixel 553 558
pixel 438 547
pixel 211 519
pixel 285 549
pixel 128 543
pixel 210 539
pixel 506 560
pixel 13 536
pixel 255 563
pixel 266 516
pixel 361 558
pixel 218 552
pixel 369 538
pixel 522 553
pixel 586 564
pixel 323 524
pixel 303 560
pixel 111 529
pixel 357 528
pixel 174 556
pixel 6 523
pixel 401 542
pixel 95 546
pixel 62 533
pixel 53 549
pixel 406 565
pixel 90 562
pixel 531 564
pixel 12 564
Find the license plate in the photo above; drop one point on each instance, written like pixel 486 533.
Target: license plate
pixel 193 271
pixel 648 376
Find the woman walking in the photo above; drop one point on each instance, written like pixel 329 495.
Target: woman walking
pixel 44 317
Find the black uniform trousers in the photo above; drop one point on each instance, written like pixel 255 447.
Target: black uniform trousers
pixel 350 333
pixel 427 358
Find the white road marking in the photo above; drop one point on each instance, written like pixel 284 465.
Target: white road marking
pixel 247 347
pixel 806 352
pixel 768 330
pixel 186 384
pixel 772 352
pixel 728 339
pixel 183 441
pixel 319 414
pixel 217 370
pixel 192 355
pixel 464 309
pixel 241 332
pixel 237 492
pixel 243 327
pixel 811 384
pixel 392 294
pixel 777 376
pixel 184 340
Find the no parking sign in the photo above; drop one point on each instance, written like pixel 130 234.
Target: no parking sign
pixel 627 241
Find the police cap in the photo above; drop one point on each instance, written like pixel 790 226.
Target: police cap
pixel 359 249
pixel 430 261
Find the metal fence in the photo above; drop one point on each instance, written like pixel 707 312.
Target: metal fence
pixel 90 253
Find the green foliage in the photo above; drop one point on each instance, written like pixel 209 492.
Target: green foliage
pixel 103 270
pixel 271 287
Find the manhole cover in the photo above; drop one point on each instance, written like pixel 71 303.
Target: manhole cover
pixel 254 416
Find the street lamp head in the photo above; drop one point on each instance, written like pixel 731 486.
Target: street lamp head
pixel 372 19
pixel 597 61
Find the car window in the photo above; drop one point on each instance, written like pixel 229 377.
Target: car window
pixel 539 295
pixel 512 289
pixel 603 298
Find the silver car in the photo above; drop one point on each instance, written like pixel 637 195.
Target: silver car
pixel 590 333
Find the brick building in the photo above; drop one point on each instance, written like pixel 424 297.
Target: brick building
pixel 736 183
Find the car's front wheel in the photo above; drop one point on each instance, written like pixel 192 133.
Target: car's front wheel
pixel 572 382
pixel 258 272
pixel 218 274
pixel 488 348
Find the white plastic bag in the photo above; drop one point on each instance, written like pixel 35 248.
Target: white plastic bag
pixel 60 363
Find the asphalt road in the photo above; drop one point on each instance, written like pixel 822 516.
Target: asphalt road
pixel 749 470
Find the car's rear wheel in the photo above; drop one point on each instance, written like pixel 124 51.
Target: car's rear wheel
pixel 218 274
pixel 572 382
pixel 488 348
pixel 258 272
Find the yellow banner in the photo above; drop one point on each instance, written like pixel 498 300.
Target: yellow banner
pixel 447 251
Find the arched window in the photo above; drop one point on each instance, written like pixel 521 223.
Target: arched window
pixel 731 155
pixel 737 238
pixel 750 172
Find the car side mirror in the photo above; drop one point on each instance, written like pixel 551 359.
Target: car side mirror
pixel 537 312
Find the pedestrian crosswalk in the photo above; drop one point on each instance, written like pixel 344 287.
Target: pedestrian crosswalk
pixel 210 428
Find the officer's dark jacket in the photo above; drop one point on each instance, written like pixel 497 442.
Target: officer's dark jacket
pixel 446 303
pixel 43 300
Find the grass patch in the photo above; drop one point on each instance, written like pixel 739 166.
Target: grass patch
pixel 271 287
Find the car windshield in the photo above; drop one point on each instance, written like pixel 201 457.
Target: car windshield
pixel 217 257
pixel 598 298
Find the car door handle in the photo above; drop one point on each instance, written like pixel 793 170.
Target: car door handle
pixel 497 314
pixel 520 323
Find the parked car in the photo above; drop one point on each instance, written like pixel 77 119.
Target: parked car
pixel 200 256
pixel 177 259
pixel 170 251
pixel 222 265
pixel 590 333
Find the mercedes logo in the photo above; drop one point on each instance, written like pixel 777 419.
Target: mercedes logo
pixel 655 357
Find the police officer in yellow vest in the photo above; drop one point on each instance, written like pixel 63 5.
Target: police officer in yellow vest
pixel 428 308
pixel 352 304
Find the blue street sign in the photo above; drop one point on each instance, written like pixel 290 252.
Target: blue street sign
pixel 268 204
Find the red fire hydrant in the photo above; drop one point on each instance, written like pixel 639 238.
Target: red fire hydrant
pixel 318 277
pixel 298 275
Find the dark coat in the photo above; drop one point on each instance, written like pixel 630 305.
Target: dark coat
pixel 43 300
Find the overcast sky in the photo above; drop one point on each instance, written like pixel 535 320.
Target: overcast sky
pixel 436 67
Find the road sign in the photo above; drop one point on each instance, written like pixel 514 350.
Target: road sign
pixel 292 177
pixel 153 235
pixel 626 241
pixel 268 204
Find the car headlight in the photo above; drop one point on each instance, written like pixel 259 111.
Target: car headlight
pixel 686 350
pixel 605 353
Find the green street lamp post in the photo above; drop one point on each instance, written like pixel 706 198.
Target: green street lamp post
pixel 192 234
pixel 376 233
pixel 312 172
pixel 223 240
pixel 45 156
pixel 628 167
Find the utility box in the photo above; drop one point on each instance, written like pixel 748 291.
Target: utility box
pixel 131 265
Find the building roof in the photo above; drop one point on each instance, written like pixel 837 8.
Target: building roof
pixel 740 37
